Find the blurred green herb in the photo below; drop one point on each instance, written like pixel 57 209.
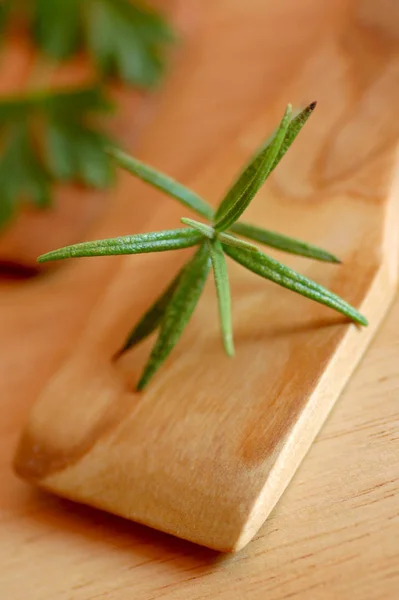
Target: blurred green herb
pixel 48 136
pixel 124 39
pixel 173 309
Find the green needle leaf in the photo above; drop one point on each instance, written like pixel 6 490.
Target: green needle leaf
pixel 179 311
pixel 234 204
pixel 267 267
pixel 157 241
pixel 294 128
pixel 72 102
pixel 231 240
pixel 282 242
pixel 206 230
pixel 152 318
pixel 162 182
pixel 223 294
pixel 251 169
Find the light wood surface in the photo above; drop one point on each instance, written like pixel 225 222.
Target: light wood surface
pixel 333 533
pixel 207 451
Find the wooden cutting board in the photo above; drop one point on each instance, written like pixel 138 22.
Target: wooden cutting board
pixel 209 466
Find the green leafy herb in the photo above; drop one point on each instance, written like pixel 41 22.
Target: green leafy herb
pixel 21 174
pixel 76 152
pixel 74 104
pixel 172 310
pixel 48 137
pixel 125 39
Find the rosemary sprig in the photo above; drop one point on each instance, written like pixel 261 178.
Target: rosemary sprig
pixel 169 186
pixel 171 312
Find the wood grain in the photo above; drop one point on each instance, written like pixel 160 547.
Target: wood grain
pixel 208 450
pixel 337 523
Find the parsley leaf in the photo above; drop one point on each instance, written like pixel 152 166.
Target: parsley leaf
pixel 57 27
pixel 48 137
pixel 125 39
pixel 22 175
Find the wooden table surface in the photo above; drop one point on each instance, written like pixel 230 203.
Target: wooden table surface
pixel 335 532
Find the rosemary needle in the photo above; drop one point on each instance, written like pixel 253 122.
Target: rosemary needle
pixel 178 311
